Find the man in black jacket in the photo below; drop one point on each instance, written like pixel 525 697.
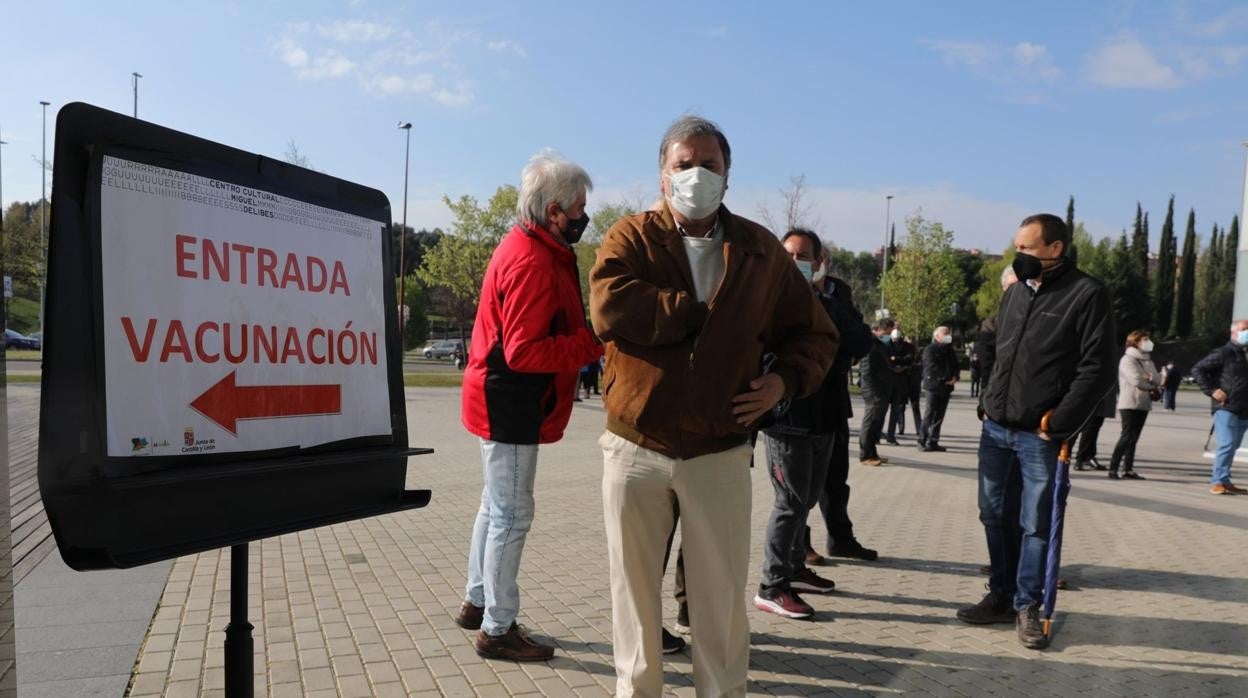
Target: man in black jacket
pixel 1056 359
pixel 940 373
pixel 799 444
pixel 901 358
pixel 877 388
pixel 1223 376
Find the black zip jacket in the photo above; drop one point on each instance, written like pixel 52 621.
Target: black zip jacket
pixel 876 372
pixel 940 365
pixel 1227 368
pixel 1055 350
pixel 819 413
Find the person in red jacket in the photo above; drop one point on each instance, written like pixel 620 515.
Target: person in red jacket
pixel 529 342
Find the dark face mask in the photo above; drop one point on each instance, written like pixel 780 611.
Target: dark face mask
pixel 1028 267
pixel 576 228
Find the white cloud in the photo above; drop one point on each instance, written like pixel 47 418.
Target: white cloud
pixel 386 85
pixel 354 30
pixel 1234 19
pixel 291 54
pixel 507 47
pixel 328 65
pixel 1021 63
pixel 1127 63
pixel 461 96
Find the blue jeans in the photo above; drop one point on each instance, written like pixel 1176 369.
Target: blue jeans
pixel 1230 432
pixel 503 522
pixel 1016 470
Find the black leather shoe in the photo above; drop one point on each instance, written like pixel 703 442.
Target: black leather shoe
pixel 672 643
pixel 1132 475
pixel 892 442
pixel 990 609
pixel 854 550
pixel 1031 629
pixel 1113 475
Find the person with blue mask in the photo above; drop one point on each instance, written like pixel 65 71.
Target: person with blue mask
pixel 1223 376
pixel 877 388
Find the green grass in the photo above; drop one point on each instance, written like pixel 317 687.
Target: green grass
pixel 24 355
pixel 433 380
pixel 22 378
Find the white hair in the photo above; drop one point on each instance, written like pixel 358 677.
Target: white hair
pixel 1008 277
pixel 549 177
pixel 938 331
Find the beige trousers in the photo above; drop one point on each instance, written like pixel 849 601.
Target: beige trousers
pixel 639 488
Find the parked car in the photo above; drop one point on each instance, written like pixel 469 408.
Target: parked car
pixel 440 349
pixel 16 340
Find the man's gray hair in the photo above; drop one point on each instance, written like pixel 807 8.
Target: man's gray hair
pixel 1008 277
pixel 692 126
pixel 939 331
pixel 549 177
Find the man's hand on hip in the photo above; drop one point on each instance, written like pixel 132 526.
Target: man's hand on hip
pixel 1220 396
pixel 765 392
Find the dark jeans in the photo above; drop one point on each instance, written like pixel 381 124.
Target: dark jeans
pixel 897 416
pixel 834 503
pixel 1167 395
pixel 1016 471
pixel 872 425
pixel 914 407
pixel 798 465
pixel 1132 427
pixel 1086 450
pixel 975 380
pixel 929 429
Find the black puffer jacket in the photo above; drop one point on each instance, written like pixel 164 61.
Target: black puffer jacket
pixel 819 413
pixel 1227 368
pixel 876 372
pixel 940 365
pixel 1055 351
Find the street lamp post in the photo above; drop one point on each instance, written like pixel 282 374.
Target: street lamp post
pixel 407 127
pixel 134 80
pixel 888 213
pixel 43 205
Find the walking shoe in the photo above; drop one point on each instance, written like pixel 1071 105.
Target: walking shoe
pixel 1221 489
pixel 515 645
pixel 1082 465
pixel 807 581
pixel 1235 490
pixel 892 442
pixel 1132 475
pixel 782 602
pixel 1030 629
pixel 672 643
pixel 990 609
pixel 937 448
pixel 813 558
pixel 921 446
pixel 682 619
pixel 469 616
pixel 853 549
pixel 1097 464
pixel 1113 475
pixel 873 462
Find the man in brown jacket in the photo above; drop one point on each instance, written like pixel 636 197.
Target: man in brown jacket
pixel 689 300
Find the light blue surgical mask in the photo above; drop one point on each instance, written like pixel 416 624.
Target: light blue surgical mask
pixel 805 268
pixel 887 339
pixel 1242 337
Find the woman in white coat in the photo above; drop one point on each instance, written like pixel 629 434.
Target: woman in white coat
pixel 1138 382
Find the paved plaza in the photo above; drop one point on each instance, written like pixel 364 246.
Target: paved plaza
pixel 1158 603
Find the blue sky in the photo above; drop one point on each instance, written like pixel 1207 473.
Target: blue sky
pixel 976 113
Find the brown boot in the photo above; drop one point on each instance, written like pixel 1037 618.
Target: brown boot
pixel 469 616
pixel 515 645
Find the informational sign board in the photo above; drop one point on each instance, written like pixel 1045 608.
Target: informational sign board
pixel 219 362
pixel 261 317
pixel 8 287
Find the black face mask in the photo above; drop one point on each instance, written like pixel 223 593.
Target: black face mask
pixel 576 228
pixel 1028 267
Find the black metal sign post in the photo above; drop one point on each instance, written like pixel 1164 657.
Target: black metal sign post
pixel 239 669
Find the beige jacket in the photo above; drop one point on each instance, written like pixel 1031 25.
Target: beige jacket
pixel 1136 376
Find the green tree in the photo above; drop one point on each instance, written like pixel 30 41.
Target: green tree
pixel 926 281
pixel 21 258
pixel 1185 299
pixel 454 267
pixel 1224 302
pixel 1208 279
pixel 604 218
pixel 1139 238
pixel 1163 279
pixel 860 271
pixel 1073 253
pixel 417 301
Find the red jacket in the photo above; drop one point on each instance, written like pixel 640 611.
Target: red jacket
pixel 529 341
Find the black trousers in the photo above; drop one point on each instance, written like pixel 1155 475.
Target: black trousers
pixel 937 403
pixel 1132 427
pixel 872 425
pixel 897 415
pixel 834 502
pixel 1086 449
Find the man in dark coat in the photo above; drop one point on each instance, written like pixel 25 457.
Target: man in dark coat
pixel 940 374
pixel 1223 376
pixel 877 388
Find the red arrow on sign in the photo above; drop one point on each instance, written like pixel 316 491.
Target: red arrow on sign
pixel 225 403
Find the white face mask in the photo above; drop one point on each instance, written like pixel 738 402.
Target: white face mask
pixel 820 273
pixel 896 335
pixel 695 193
pixel 947 339
pixel 1146 346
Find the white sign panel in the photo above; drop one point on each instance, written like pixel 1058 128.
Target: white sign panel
pixel 236 319
pixel 8 287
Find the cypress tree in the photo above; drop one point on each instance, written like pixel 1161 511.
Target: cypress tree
pixel 1127 286
pixel 1185 298
pixel 1208 271
pixel 1073 253
pixel 1139 239
pixel 1163 280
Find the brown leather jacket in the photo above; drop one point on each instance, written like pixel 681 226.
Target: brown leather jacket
pixel 674 364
